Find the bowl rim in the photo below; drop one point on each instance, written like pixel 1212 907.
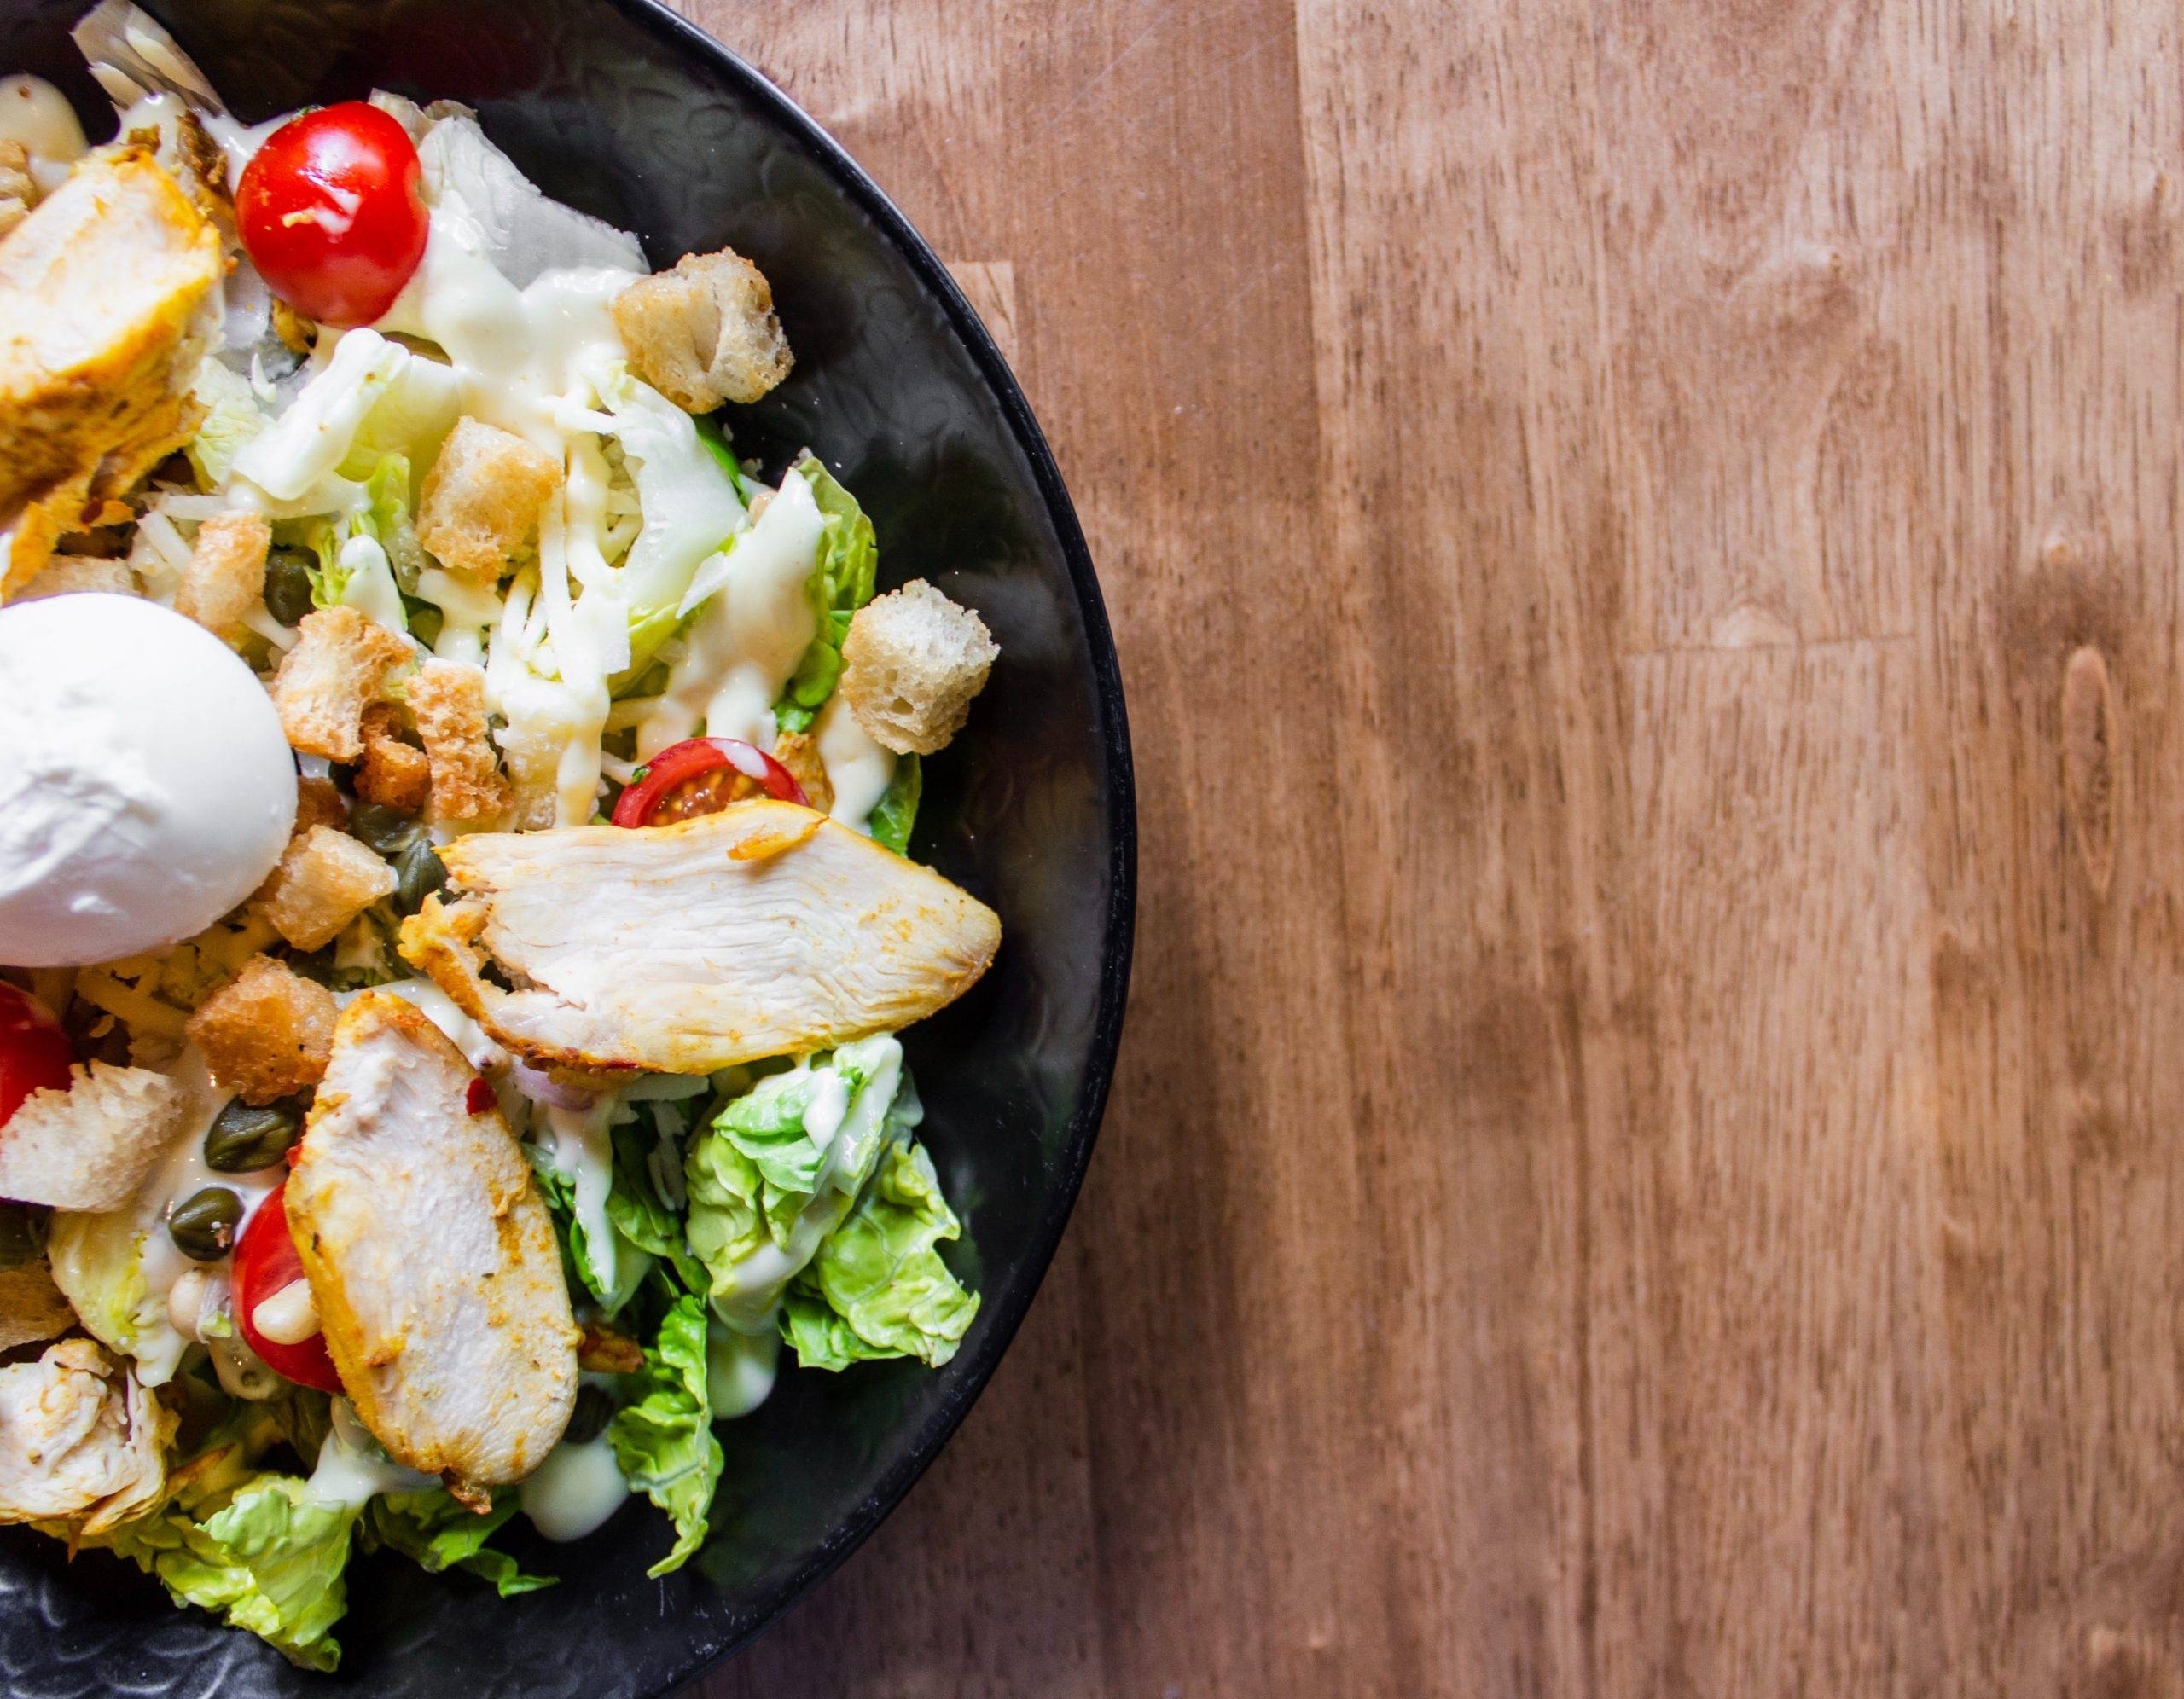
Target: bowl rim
pixel 678 34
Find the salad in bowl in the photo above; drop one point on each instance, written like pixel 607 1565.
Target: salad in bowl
pixel 454 898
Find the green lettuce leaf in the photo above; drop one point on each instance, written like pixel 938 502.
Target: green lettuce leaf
pixel 640 1215
pixel 663 1443
pixel 263 1556
pixel 232 418
pixel 440 1533
pixel 98 1263
pixel 842 582
pixel 386 521
pixel 896 810
pixel 877 1286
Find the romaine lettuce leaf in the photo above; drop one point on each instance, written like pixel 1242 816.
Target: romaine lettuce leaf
pixel 877 1286
pixel 663 1443
pixel 98 1263
pixel 842 583
pixel 440 1533
pixel 232 418
pixel 896 810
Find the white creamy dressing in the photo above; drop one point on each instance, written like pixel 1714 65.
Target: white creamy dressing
pixel 575 1490
pixel 740 1368
pixel 859 768
pixel 287 1317
pixel 137 111
pixel 159 1344
pixel 38 115
pixel 754 1285
pixel 578 1144
pixel 740 654
pixel 353 1467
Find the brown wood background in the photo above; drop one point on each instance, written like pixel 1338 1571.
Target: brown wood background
pixel 1644 539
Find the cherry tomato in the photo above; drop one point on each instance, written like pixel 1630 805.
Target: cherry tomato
pixel 331 213
pixel 266 1262
pixel 34 1052
pixel 698 777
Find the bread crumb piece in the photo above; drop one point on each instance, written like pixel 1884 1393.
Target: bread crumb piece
pixel 911 663
pixel 267 1032
pixel 703 332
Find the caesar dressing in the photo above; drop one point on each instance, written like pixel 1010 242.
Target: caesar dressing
pixel 859 769
pixel 37 117
pixel 740 1369
pixel 287 1317
pixel 353 1467
pixel 575 1490
pixel 576 1144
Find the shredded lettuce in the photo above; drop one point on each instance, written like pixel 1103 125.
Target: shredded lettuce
pixel 310 440
pixel 232 419
pixel 896 810
pixel 431 1528
pixel 663 1443
pixel 877 1286
pixel 385 520
pixel 98 1262
pixel 842 582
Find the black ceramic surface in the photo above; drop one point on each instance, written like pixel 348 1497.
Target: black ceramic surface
pixel 618 107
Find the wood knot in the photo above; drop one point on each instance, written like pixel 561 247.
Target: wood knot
pixel 2089 762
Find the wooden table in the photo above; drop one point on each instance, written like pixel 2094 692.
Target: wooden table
pixel 1643 535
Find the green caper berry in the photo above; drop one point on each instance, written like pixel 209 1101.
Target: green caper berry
pixel 587 1421
pixel 242 1140
pixel 417 875
pixel 203 1224
pixel 388 831
pixel 287 585
pixel 22 1234
pixel 424 622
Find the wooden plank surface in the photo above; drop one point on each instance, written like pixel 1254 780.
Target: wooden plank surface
pixel 1649 1155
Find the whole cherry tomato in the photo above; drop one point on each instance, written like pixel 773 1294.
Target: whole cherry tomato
pixel 34 1052
pixel 266 1262
pixel 698 777
pixel 331 213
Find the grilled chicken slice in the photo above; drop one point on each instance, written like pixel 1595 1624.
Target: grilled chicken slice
pixel 100 292
pixel 764 930
pixel 79 1436
pixel 430 1256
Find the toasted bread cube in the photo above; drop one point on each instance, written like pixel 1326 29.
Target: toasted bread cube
pixel 338 664
pixel 480 501
pixel 799 752
pixel 447 699
pixel 318 803
pixel 91 1146
pixel 226 574
pixel 68 575
pixel 911 663
pixel 396 774
pixel 31 1307
pixel 324 881
pixel 266 1033
pixel 704 332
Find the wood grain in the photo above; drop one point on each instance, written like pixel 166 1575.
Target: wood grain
pixel 1644 537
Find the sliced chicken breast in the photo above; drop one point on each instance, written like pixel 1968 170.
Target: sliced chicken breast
pixel 79 1437
pixel 430 1256
pixel 764 930
pixel 100 292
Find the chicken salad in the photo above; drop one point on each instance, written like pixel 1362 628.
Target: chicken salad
pixel 454 898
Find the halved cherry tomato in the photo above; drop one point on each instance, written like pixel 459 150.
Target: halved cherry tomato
pixel 266 1262
pixel 34 1052
pixel 331 212
pixel 667 791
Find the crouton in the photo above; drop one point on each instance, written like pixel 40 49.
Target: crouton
pixel 338 664
pixel 447 699
pixel 18 193
pixel 318 803
pixel 604 1350
pixel 267 1032
pixel 395 774
pixel 799 752
pixel 704 332
pixel 31 1307
pixel 89 1147
pixel 480 505
pixel 66 575
pixel 324 881
pixel 226 574
pixel 911 663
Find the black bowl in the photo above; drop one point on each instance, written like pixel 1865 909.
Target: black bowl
pixel 619 108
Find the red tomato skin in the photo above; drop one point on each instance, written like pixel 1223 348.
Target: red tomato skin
pixel 265 1261
pixel 34 1052
pixel 680 763
pixel 332 213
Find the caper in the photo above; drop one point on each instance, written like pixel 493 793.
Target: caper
pixel 287 585
pixel 388 831
pixel 587 1421
pixel 203 1224
pixel 417 875
pixel 22 1234
pixel 424 622
pixel 242 1140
